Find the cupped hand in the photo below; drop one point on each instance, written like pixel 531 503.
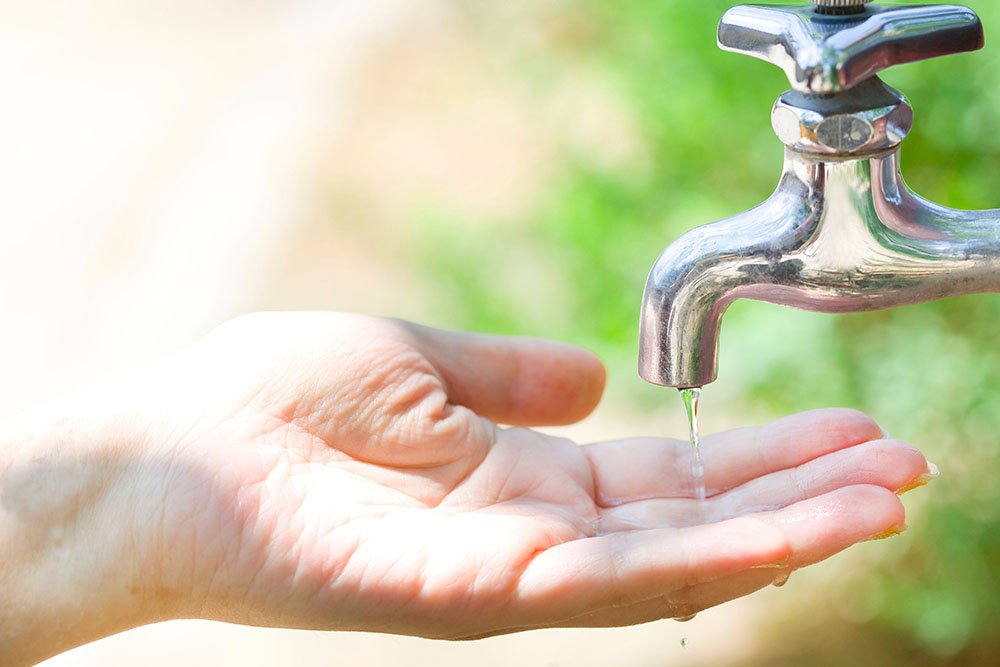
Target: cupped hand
pixel 331 471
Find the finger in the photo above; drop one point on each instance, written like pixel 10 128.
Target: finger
pixel 626 568
pixel 680 605
pixel 822 526
pixel 814 530
pixel 630 470
pixel 515 381
pixel 890 464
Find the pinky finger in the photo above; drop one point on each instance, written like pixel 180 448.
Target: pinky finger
pixel 816 529
pixel 681 605
pixel 624 569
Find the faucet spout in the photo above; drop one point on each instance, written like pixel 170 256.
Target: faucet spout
pixel 836 236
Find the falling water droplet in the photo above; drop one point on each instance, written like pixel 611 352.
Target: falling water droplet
pixel 684 642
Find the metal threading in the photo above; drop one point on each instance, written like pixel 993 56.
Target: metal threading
pixel 840 7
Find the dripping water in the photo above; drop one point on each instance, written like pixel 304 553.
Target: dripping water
pixel 691 398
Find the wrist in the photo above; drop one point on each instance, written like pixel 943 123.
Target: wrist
pixel 73 565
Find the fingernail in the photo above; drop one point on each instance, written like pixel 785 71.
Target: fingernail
pixel 892 532
pixel 923 480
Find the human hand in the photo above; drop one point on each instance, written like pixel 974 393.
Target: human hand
pixel 341 472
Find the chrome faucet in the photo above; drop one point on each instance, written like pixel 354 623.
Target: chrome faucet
pixel 842 232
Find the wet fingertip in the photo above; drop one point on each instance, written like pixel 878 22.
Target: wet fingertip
pixel 923 479
pixel 864 510
pixel 898 529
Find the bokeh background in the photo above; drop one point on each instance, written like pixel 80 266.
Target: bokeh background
pixel 512 167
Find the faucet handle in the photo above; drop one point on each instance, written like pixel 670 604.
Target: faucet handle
pixel 828 49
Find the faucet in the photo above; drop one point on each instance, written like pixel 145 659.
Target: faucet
pixel 842 232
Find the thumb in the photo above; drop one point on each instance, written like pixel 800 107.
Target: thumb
pixel 512 380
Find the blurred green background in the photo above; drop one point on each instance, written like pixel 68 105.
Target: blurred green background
pixel 700 148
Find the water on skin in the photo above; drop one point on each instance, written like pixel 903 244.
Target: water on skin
pixel 691 399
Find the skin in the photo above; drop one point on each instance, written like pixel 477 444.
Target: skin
pixel 339 472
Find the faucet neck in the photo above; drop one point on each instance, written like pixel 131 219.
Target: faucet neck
pixel 868 120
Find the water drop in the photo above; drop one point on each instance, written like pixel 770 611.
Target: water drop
pixel 684 642
pixel 783 577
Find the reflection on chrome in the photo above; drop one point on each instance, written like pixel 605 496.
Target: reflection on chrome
pixel 841 233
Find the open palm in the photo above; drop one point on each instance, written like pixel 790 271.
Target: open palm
pixel 341 472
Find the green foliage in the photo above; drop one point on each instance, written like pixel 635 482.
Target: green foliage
pixel 930 373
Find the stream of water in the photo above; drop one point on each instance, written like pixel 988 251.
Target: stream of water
pixel 691 399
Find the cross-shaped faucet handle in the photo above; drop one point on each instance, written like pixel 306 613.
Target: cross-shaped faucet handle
pixel 824 52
